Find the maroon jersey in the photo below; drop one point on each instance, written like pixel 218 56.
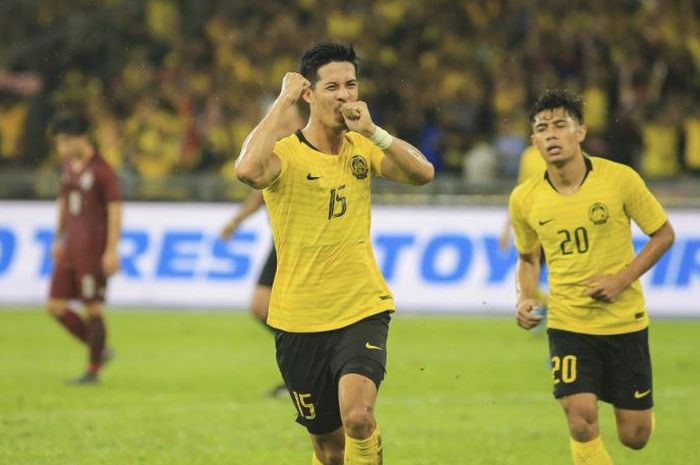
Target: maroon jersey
pixel 85 195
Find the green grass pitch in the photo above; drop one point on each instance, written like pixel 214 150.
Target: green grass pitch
pixel 188 388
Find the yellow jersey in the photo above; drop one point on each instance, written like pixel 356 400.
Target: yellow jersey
pixel 585 234
pixel 319 205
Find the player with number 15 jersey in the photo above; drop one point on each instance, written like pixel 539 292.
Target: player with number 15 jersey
pixel 330 195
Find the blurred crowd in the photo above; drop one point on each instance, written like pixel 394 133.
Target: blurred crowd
pixel 174 86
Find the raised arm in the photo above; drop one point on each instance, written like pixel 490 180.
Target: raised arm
pixel 257 164
pixel 402 162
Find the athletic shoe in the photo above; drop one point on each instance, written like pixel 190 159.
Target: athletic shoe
pixel 87 378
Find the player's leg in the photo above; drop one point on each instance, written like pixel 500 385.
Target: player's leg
pixel 586 445
pixel 360 366
pixel 97 335
pixel 581 412
pixel 634 427
pixel 70 320
pixel 631 386
pixel 92 291
pixel 357 395
pixel 63 288
pixel 328 448
pixel 304 361
pixel 577 376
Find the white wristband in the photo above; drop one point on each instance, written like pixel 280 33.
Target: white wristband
pixel 381 138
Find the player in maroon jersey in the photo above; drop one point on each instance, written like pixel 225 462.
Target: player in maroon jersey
pixel 87 233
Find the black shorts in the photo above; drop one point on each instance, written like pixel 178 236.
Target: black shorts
pixel 313 363
pixel 615 368
pixel 267 275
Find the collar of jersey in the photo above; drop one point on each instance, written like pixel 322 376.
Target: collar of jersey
pixel 589 168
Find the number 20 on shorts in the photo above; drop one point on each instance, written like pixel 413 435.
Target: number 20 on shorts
pixel 564 369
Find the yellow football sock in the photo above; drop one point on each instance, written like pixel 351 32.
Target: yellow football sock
pixel 590 453
pixel 315 460
pixel 364 451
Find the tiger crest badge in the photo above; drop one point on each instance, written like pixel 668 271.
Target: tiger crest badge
pixel 358 167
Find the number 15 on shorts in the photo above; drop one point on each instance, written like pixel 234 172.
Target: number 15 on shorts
pixel 306 409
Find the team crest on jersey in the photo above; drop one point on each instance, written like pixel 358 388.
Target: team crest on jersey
pixel 358 166
pixel 598 213
pixel 86 180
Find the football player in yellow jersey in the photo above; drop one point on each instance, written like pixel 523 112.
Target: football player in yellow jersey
pixel 580 211
pixel 329 304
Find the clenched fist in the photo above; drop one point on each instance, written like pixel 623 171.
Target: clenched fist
pixel 357 118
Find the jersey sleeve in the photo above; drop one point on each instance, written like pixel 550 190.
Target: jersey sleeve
pixel 640 203
pixel 525 237
pixel 376 156
pixel 283 152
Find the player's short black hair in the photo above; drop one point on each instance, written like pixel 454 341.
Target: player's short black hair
pixel 70 123
pixel 322 54
pixel 551 99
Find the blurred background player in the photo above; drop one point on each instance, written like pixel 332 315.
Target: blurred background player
pixel 329 303
pixel 260 301
pixel 580 212
pixel 531 164
pixel 85 242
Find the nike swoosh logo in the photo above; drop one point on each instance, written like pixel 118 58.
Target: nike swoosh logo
pixel 311 178
pixel 371 347
pixel 542 223
pixel 639 395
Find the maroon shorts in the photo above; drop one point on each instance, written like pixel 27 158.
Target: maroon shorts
pixel 83 281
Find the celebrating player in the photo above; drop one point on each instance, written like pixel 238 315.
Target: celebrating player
pixel 329 304
pixel 86 238
pixel 580 211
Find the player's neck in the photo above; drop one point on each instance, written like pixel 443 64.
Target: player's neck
pixel 568 176
pixel 83 157
pixel 325 139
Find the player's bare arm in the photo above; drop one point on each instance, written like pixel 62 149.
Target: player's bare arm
pixel 403 162
pixel 607 288
pixel 527 275
pixel 251 204
pixel 110 258
pixel 57 246
pixel 257 164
